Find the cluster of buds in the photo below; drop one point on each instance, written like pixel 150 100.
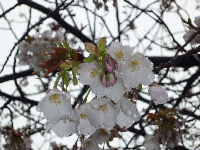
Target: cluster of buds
pixel 108 77
pixel 170 127
pixel 16 139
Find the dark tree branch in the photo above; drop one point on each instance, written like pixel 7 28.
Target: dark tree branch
pixel 17 75
pixel 56 16
pixel 187 63
pixel 187 87
pixel 181 59
pixel 24 100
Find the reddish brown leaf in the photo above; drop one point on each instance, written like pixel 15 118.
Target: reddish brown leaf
pixel 56 60
pixel 151 116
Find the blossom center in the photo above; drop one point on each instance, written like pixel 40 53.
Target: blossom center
pixel 119 54
pixel 54 99
pixel 89 144
pixel 93 72
pixel 82 116
pixel 36 44
pixel 25 45
pixel 134 65
pixel 102 107
pixel 65 120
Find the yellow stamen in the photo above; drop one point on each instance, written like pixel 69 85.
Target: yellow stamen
pixel 102 107
pixel 54 99
pixel 119 54
pixel 89 144
pixel 134 65
pixel 82 116
pixel 93 72
pixel 64 120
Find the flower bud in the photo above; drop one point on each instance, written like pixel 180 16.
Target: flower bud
pixel 112 78
pixel 108 79
pixel 103 80
pixel 110 63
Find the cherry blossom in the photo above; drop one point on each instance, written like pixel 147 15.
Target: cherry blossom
pixel 128 113
pixel 100 136
pixel 90 144
pixel 31 51
pixel 197 21
pixel 189 35
pixel 111 74
pixel 137 70
pixel 98 113
pixel 55 105
pixel 119 52
pixel 151 143
pixel 66 126
pixel 158 95
pixel 89 74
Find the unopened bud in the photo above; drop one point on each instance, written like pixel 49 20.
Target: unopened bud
pixel 112 78
pixel 108 79
pixel 104 81
pixel 110 63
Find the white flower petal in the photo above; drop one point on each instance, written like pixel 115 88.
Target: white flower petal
pixel 119 52
pixel 137 70
pixel 151 143
pixel 85 127
pixel 124 120
pixel 64 127
pixel 55 105
pixel 158 95
pixel 89 74
pixel 90 144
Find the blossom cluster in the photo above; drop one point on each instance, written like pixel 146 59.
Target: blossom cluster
pixel 192 31
pixel 100 113
pixel 122 70
pixel 32 50
pixel 16 139
pixel 111 73
pixel 170 124
pixel 151 142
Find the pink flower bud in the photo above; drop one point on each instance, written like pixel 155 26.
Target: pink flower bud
pixel 108 67
pixel 104 81
pixel 112 79
pixel 108 79
pixel 110 63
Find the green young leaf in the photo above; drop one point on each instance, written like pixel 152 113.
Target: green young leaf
pixel 75 67
pixel 65 78
pixel 60 45
pixel 90 58
pixel 139 87
pixel 75 80
pixel 64 75
pixel 66 45
pixel 90 48
pixel 101 45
